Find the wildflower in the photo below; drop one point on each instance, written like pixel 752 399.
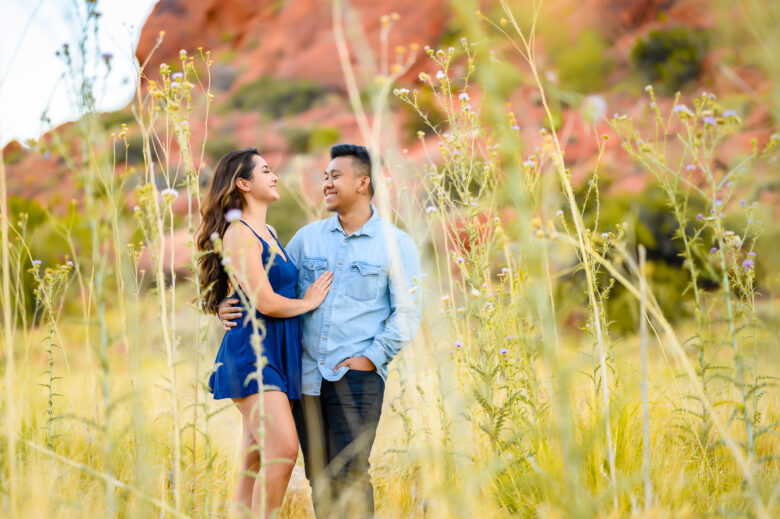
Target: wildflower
pixel 503 351
pixel 754 204
pixel 175 85
pixel 748 263
pixel 177 75
pixel 713 250
pixel 680 108
pixel 750 221
pixel 718 202
pixel 488 307
pixel 70 263
pixel 423 77
pixel 710 120
pixel 649 88
pixel 460 259
pixel 752 254
pixel 136 209
pixel 232 215
pixel 182 53
pixel 504 271
pixel 516 128
pixel 559 212
pixel 730 113
pixel 475 292
pixel 700 217
pixel 528 164
pixel 107 57
pixel 169 192
pixel 458 344
pixel 430 209
pixel 743 203
pixel 464 97
pixel 401 91
pixel 440 75
pixel 226 261
pixel 605 235
pixel 729 184
pixel 36 263
pixel 690 167
pixel 214 236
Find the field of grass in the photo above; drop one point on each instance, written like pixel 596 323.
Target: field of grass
pixel 520 396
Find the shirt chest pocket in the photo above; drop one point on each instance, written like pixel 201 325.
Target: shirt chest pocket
pixel 364 281
pixel 311 269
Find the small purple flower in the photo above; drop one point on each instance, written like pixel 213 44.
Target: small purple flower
pixel 718 203
pixel 36 263
pixel 605 235
pixel 713 250
pixel 754 204
pixel 460 259
pixel 177 75
pixel 175 85
pixel 750 221
pixel 752 254
pixel 690 167
pixel 680 108
pixel 516 128
pixel 710 120
pixel 503 351
pixel 729 184
pixel 107 56
pixel 430 209
pixel 700 217
pixel 729 113
pixel 504 271
pixel 528 163
pixel 458 344
pixel 464 97
pixel 743 203
pixel 748 263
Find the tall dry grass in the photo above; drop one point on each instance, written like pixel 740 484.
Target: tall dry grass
pixel 497 409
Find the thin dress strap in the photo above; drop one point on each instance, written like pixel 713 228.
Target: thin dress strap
pixel 281 254
pixel 253 231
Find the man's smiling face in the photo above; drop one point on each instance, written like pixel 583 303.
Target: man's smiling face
pixel 342 184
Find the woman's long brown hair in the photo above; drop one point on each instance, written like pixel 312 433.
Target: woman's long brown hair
pixel 221 197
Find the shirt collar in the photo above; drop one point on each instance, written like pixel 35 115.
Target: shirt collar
pixel 367 230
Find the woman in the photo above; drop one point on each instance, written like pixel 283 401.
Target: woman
pixel 243 181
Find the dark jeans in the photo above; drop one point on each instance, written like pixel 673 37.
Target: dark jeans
pixel 336 431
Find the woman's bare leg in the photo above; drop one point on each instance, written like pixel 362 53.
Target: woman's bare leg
pixel 250 463
pixel 281 443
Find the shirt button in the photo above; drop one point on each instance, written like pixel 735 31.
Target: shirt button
pixel 322 363
pixel 323 337
pixel 339 263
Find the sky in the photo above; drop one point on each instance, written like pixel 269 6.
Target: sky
pixel 32 76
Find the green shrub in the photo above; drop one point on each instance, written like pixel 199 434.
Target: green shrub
pixel 217 146
pixel 277 97
pixel 582 67
pixel 670 59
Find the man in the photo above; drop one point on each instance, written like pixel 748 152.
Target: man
pixel 371 311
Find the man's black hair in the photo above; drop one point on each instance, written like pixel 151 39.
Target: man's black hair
pixel 360 156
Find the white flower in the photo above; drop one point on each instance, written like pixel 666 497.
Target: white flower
pixel 440 75
pixel 430 209
pixel 169 191
pixel 226 261
pixel 177 75
pixel 214 236
pixel 232 215
pixel 136 209
pixel 464 97
pixel 175 84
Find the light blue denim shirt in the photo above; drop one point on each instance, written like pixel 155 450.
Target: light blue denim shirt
pixel 373 306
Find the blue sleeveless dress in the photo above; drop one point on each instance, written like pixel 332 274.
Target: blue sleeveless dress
pixel 236 359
